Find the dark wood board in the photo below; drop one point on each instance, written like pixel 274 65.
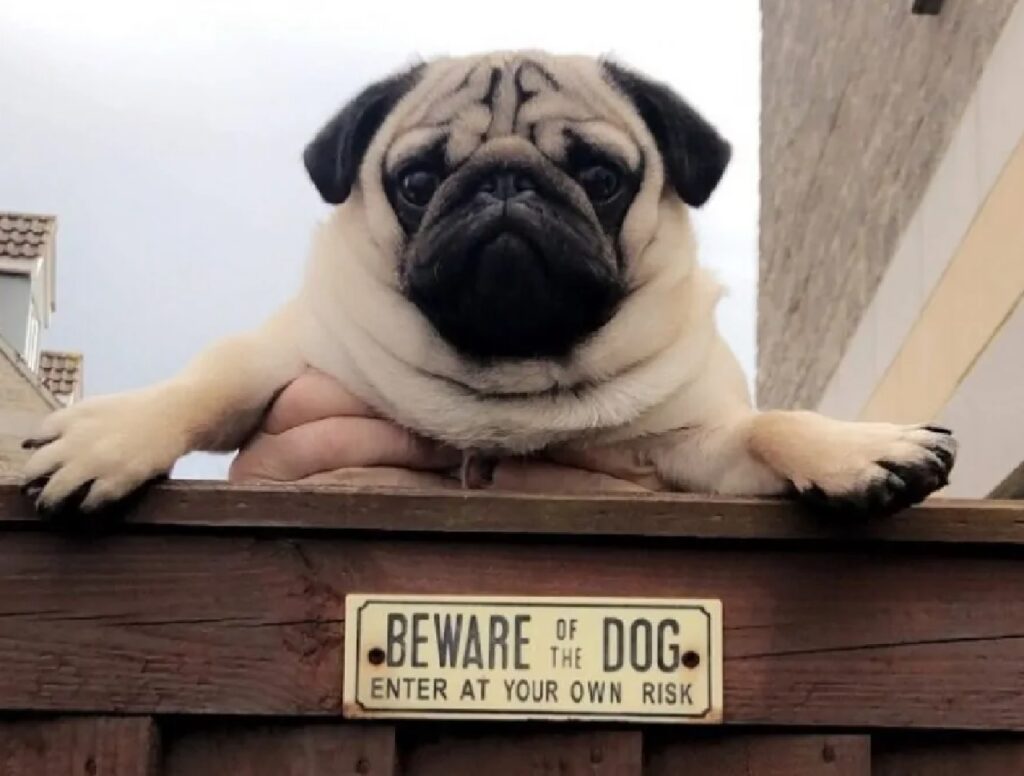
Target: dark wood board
pixel 590 753
pixel 279 749
pixel 775 754
pixel 90 746
pixel 678 516
pixel 239 624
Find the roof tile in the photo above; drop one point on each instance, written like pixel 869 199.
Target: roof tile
pixel 25 236
pixel 61 373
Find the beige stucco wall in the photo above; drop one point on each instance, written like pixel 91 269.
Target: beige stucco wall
pixel 859 102
pixel 22 405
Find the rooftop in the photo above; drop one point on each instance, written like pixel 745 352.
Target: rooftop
pixel 25 236
pixel 61 373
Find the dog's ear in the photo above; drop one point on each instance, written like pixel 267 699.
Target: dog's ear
pixel 333 157
pixel 694 154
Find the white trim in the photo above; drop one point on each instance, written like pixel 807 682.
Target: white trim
pixel 32 337
pixel 20 266
pixel 990 129
pixel 41 297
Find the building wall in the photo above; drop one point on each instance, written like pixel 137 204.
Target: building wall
pixel 15 294
pixel 941 338
pixel 22 405
pixel 859 101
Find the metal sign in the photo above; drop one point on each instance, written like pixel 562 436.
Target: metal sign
pixel 647 660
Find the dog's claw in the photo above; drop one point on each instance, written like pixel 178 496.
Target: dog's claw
pixel 35 484
pixel 897 484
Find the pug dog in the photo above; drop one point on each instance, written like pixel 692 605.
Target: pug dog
pixel 509 267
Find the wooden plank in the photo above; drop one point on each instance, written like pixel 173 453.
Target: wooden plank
pixel 91 746
pixel 761 755
pixel 252 625
pixel 166 624
pixel 514 753
pixel 945 756
pixel 280 749
pixel 680 516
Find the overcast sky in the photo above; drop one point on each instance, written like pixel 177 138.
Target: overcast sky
pixel 166 137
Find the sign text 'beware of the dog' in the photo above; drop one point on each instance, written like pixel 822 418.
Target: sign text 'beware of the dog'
pixel 647 660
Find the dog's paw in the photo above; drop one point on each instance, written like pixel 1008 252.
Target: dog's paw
pixel 99 451
pixel 876 468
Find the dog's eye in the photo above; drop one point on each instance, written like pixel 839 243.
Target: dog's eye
pixel 418 185
pixel 600 181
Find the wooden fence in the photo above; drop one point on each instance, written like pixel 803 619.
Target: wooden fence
pixel 204 633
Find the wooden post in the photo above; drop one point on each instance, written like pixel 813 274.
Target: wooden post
pixel 91 746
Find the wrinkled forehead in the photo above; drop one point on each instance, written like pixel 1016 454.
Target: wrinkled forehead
pixel 464 103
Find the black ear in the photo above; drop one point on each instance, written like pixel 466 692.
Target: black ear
pixel 694 154
pixel 333 157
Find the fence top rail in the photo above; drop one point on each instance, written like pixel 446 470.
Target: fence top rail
pixel 219 506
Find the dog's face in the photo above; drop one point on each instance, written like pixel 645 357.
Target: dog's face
pixel 513 192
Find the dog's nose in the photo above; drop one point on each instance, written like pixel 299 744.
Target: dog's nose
pixel 506 184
